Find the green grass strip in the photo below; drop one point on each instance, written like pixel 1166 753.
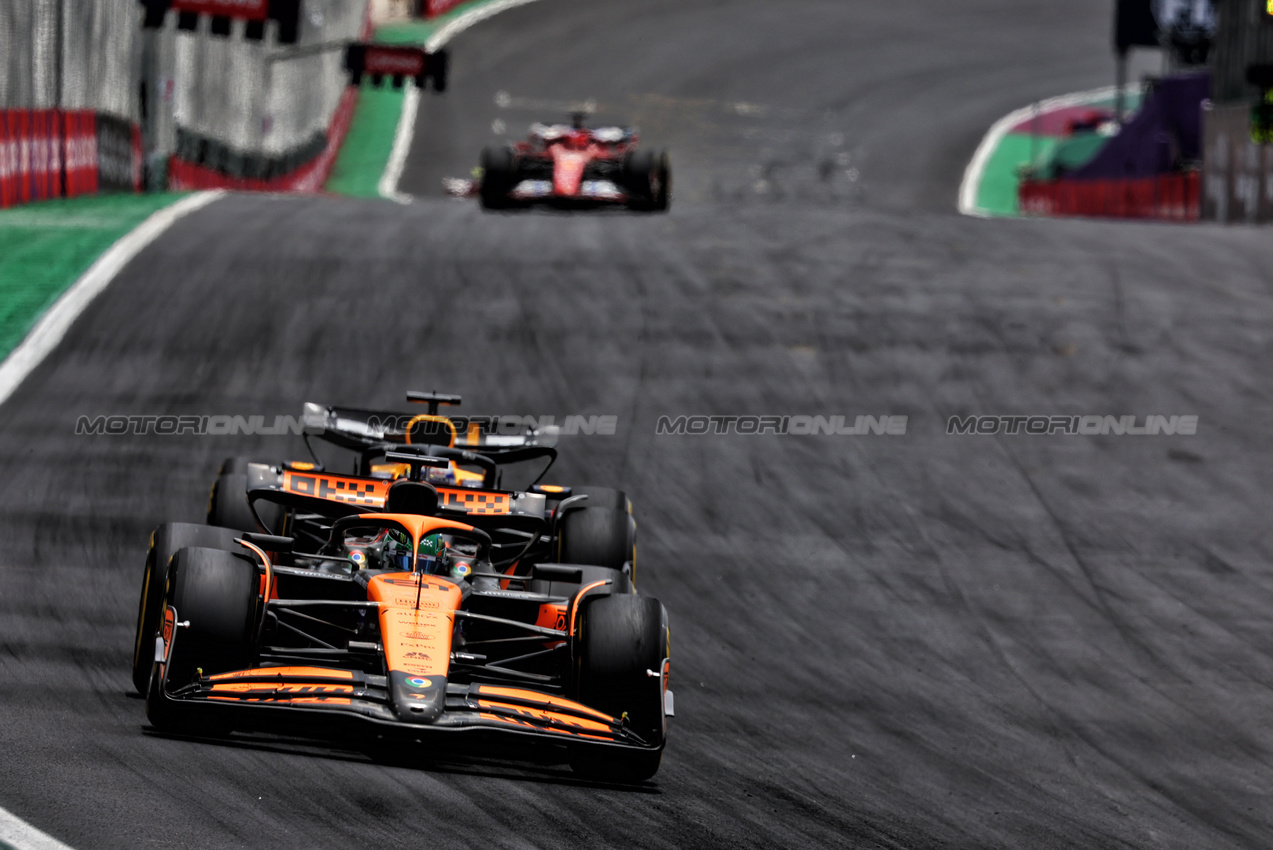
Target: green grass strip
pixel 997 194
pixel 368 145
pixel 46 246
pixel 366 150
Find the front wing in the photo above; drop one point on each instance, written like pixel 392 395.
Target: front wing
pixel 595 191
pixel 325 701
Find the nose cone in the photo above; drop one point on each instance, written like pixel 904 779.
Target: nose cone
pixel 568 169
pixel 418 699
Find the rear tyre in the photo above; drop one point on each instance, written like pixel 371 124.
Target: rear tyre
pixel 441 70
pixel 639 177
pixel 234 466
pixel 602 497
pixel 498 170
pixel 621 639
pixel 662 192
pixel 598 536
pixel 165 542
pixel 228 506
pixel 216 593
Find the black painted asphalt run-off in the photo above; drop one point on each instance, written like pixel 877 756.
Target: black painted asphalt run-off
pixel 911 641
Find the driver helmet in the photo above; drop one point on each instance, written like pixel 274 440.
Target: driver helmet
pixel 395 552
pixel 432 554
pixel 438 557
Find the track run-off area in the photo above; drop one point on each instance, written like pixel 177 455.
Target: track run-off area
pixel 913 640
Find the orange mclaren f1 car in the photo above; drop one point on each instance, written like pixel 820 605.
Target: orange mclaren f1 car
pixel 399 625
pixel 466 465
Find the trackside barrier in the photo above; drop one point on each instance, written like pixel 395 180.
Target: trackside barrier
pixel 119 154
pixel 80 153
pixel 1170 197
pixel 309 177
pixel 53 153
pixel 30 156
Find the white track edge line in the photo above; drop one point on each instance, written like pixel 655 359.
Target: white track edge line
pixel 402 137
pixel 20 835
pixel 57 320
pixel 462 22
pixel 388 187
pixel 975 171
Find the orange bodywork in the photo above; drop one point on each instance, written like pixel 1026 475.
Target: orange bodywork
pixel 325 686
pixel 528 709
pixel 372 493
pixel 497 691
pixel 552 615
pixel 416 638
pixel 417 612
pixel 430 417
pixel 309 672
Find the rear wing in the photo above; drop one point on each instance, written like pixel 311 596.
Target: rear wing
pixel 480 442
pixel 356 428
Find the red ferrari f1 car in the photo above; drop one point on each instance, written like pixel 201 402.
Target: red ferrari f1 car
pixel 572 165
pixel 399 625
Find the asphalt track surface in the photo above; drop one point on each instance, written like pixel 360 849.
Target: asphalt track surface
pixel 907 641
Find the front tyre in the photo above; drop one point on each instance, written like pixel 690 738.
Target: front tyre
pixel 165 542
pixel 622 642
pixel 639 169
pixel 662 191
pixel 216 593
pixel 498 172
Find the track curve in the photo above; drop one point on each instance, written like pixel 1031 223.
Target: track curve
pixel 911 641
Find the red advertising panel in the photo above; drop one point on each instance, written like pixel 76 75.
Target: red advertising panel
pixel 139 158
pixel 48 153
pixel 394 61
pixel 433 8
pixel 250 10
pixel 8 163
pixel 39 154
pixel 80 153
pixel 1169 197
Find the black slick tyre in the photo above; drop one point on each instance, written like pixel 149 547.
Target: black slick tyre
pixel 639 177
pixel 662 192
pixel 497 178
pixel 216 593
pixel 598 536
pixel 165 542
pixel 602 497
pixel 621 640
pixel 234 465
pixel 228 507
